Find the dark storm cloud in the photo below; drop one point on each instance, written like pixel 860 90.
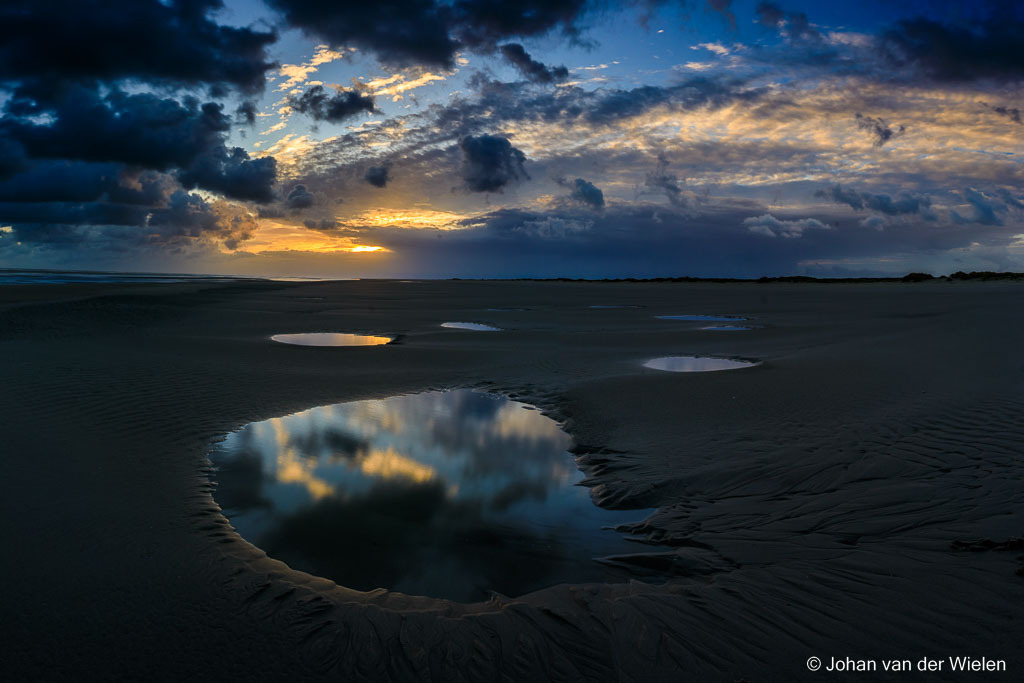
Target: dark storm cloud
pixel 139 130
pixel 531 68
pixel 173 42
pixel 401 33
pixel 378 176
pixel 108 207
pixel 584 192
pixel 485 22
pixel 233 174
pixel 344 104
pixel 183 219
pixel 981 41
pixel 429 32
pixel 490 162
pixel 65 181
pixel 299 198
pixel 70 213
pixel 78 149
pixel 185 214
pixel 879 129
pixel 904 203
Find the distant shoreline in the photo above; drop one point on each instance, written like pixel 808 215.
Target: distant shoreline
pixel 910 277
pixel 27 276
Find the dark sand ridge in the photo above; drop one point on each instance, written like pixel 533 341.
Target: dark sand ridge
pixel 808 504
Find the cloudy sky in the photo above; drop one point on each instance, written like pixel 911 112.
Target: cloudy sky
pixel 483 138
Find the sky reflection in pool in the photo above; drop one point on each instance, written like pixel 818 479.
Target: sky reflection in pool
pixel 701 318
pixel 476 327
pixel 330 339
pixel 696 364
pixel 448 494
pixel 726 328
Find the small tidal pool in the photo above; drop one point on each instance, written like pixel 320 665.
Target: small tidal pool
pixel 475 327
pixel 702 318
pixel 330 339
pixel 727 328
pixel 696 364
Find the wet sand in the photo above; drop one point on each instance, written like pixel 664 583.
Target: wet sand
pixel 814 505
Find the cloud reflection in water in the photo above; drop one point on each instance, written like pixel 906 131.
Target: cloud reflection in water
pixel 449 494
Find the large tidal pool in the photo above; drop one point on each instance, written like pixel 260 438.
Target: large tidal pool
pixel 449 494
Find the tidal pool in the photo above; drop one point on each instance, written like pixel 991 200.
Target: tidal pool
pixel 702 318
pixel 726 328
pixel 449 494
pixel 330 339
pixel 696 364
pixel 476 327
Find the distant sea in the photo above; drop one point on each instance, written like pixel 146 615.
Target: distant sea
pixel 57 277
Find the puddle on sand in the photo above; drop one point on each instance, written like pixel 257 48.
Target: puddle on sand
pixel 477 327
pixel 727 328
pixel 696 364
pixel 330 339
pixel 702 318
pixel 448 494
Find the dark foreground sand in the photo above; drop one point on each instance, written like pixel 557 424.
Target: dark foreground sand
pixel 806 507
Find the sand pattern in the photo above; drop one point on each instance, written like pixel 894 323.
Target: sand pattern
pixel 858 492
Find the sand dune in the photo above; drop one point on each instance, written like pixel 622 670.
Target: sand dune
pixel 836 500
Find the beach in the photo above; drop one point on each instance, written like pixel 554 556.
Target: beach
pixel 856 494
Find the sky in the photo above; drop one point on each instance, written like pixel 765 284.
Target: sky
pixel 541 138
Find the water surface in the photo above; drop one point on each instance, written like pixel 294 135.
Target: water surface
pixel 726 328
pixel 330 339
pixel 449 494
pixel 703 318
pixel 696 364
pixel 11 276
pixel 476 327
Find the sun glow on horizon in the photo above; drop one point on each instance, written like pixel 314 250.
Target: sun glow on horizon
pixel 418 218
pixel 273 236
